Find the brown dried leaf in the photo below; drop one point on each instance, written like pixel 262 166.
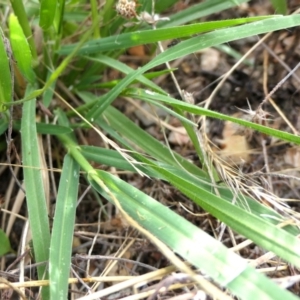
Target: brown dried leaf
pixel 235 147
pixel 179 137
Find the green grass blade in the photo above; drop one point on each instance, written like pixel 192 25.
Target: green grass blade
pixel 128 130
pixel 153 148
pixel 57 72
pixel 3 125
pixel 127 40
pixel 19 11
pixel 21 49
pixel 117 65
pixel 224 268
pixel 4 243
pixel 95 18
pixel 195 12
pixel 63 226
pixel 222 36
pixel 146 142
pixel 120 123
pixel 244 222
pixel 6 88
pixel 115 159
pixel 280 6
pixel 194 245
pixel 59 15
pixel 255 286
pixel 195 44
pixel 162 5
pixel 35 195
pixel 153 97
pixel 47 13
pixel 44 128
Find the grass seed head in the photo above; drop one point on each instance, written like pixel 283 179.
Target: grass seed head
pixel 126 9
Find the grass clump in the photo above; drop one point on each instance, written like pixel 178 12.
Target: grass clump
pixel 68 60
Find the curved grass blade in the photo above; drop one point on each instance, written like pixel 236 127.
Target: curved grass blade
pixel 191 243
pixel 254 228
pixel 127 40
pixel 154 97
pixel 208 254
pixel 115 159
pixel 117 65
pixel 150 145
pixel 156 149
pixel 130 131
pixel 195 44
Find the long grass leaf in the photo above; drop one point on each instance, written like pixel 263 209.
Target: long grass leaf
pixel 127 40
pixel 115 159
pixel 35 194
pixel 63 227
pixel 244 222
pixel 195 44
pixel 153 98
pixel 200 249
